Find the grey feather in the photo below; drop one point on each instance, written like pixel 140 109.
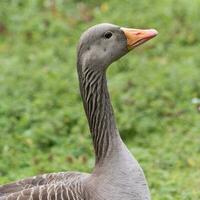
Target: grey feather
pixel 116 175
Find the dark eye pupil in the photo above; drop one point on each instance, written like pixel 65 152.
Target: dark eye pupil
pixel 108 35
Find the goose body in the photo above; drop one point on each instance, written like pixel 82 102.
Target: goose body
pixel 116 175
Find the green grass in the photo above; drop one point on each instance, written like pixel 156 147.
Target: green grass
pixel 42 123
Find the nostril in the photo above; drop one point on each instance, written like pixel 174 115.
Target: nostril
pixel 138 33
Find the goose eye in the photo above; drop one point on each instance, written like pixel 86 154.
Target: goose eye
pixel 108 35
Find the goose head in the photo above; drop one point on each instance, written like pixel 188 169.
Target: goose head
pixel 105 43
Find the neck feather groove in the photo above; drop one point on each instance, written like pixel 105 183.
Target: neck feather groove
pixel 99 112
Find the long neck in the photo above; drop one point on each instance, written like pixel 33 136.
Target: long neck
pixel 115 166
pixel 99 112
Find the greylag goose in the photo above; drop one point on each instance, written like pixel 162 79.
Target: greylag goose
pixel 116 175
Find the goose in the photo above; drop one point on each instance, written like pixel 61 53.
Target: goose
pixel 116 174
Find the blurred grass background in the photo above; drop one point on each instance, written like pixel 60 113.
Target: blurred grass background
pixel 42 123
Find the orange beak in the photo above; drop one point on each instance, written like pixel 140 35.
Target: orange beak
pixel 136 37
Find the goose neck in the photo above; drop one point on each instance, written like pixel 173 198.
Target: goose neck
pixel 99 112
